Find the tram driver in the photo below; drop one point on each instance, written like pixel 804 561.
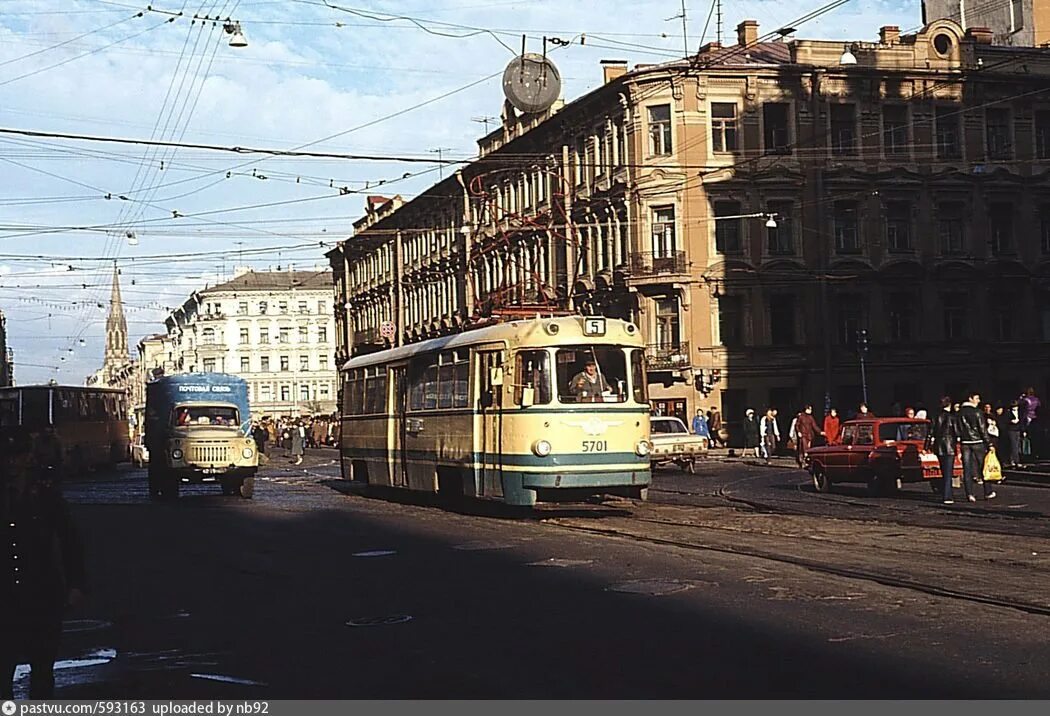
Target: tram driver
pixel 588 385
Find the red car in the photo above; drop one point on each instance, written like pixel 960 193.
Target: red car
pixel 882 452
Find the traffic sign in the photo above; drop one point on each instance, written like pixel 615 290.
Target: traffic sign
pixel 387 330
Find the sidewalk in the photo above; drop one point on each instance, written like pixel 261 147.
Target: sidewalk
pixel 747 457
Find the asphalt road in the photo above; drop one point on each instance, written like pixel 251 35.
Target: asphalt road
pixel 736 582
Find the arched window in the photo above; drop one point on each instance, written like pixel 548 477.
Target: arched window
pixel 208 336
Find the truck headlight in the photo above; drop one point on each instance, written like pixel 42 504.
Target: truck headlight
pixel 247 453
pixel 176 454
pixel 642 448
pixel 541 448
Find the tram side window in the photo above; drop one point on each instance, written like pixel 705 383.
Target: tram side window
pixel 34 408
pixel 447 382
pixel 592 374
pixel 533 370
pixel 8 412
pixel 461 393
pixel 639 384
pixel 415 393
pixel 375 391
pixel 430 388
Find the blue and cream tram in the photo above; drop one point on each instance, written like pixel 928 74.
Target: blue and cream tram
pixel 544 409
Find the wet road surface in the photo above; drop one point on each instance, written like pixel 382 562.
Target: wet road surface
pixel 736 582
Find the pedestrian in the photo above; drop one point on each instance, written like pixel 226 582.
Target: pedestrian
pixel 832 425
pixel 298 442
pixel 1010 435
pixel 909 412
pixel 261 437
pixel 1029 404
pixel 942 441
pixel 806 430
pixel 770 434
pixel 42 569
pixel 752 433
pixel 864 412
pixel 714 426
pixel 920 412
pixel 700 425
pixel 993 426
pixel 975 441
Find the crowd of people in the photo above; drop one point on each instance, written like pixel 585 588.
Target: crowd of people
pixel 295 435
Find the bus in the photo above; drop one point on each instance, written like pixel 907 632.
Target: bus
pixel 500 413
pixel 91 424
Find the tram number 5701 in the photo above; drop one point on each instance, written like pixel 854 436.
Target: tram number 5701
pixel 595 445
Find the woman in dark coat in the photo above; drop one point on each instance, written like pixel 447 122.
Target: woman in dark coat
pixel 752 440
pixel 41 569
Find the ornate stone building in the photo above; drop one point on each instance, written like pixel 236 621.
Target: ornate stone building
pixel 272 328
pixel 906 180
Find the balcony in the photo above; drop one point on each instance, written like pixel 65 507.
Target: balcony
pixel 648 264
pixel 667 356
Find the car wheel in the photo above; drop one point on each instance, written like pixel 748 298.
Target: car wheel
pixel 820 479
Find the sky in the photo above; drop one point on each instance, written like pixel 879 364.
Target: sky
pixel 397 78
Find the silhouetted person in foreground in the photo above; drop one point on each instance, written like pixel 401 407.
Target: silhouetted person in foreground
pixel 41 567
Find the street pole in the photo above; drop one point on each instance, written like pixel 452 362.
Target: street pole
pixel 862 349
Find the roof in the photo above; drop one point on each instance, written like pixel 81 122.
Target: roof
pixel 276 281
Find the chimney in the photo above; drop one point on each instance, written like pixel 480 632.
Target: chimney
pixel 747 32
pixel 889 34
pixel 979 35
pixel 613 69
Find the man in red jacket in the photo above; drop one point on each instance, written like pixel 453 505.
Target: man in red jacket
pixel 806 429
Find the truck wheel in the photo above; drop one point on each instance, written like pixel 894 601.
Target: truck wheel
pixel 229 486
pixel 154 485
pixel 171 486
pixel 247 488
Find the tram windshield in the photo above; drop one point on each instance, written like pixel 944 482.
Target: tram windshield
pixel 188 415
pixel 592 374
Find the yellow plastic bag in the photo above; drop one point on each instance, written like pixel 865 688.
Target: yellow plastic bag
pixel 993 471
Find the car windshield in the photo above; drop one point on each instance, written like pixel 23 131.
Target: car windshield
pixel 904 431
pixel 207 415
pixel 592 374
pixel 666 427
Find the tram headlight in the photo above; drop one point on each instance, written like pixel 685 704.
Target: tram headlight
pixel 643 448
pixel 247 453
pixel 176 454
pixel 541 448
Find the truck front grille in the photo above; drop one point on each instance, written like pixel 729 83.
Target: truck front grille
pixel 209 454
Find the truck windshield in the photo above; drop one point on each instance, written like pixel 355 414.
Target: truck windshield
pixel 207 415
pixel 592 374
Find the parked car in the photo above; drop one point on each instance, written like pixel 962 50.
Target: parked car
pixel 881 452
pixel 139 453
pixel 673 443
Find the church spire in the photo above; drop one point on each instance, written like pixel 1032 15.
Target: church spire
pixel 116 330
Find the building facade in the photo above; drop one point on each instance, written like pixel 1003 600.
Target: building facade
pixel 1020 23
pixel 753 209
pixel 7 377
pixel 274 329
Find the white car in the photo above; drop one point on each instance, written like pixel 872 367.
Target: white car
pixel 139 454
pixel 673 443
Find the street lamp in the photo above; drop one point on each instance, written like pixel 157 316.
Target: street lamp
pixel 862 349
pixel 771 219
pixel 847 58
pixel 237 38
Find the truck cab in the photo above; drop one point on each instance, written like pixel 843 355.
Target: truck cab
pixel 197 430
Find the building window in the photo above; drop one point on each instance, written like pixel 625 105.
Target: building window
pixel 282 306
pixel 1044 228
pixel 242 308
pixel 304 362
pixel 324 392
pixel 901 317
pixel 208 336
pixel 1004 307
pixel 1042 134
pixel 852 314
pixel 997 133
pixel 895 129
pixel 898 226
pixel 304 307
pixel 304 393
pixel 245 364
pixel 322 361
pixel 321 307
pixel 847 240
pixel 284 334
pixel 843 129
pixel 950 228
pixel 304 334
pixel 264 364
pixel 954 315
pixel 264 335
pixel 284 363
pixel 723 128
pixel 731 321
pixel 322 334
pixel 780 241
pixel 262 307
pixel 285 392
pixel 1016 15
pixel 265 393
pixel 209 365
pixel 727 231
pixel 1001 220
pixel 664 245
pixel 782 319
pixel 949 133
pixel 776 132
pixel 243 336
pixel 667 334
pixel 660 129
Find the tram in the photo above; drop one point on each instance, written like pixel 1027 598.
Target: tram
pixel 91 424
pixel 544 409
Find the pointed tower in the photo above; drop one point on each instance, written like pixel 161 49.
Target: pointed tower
pixel 116 332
